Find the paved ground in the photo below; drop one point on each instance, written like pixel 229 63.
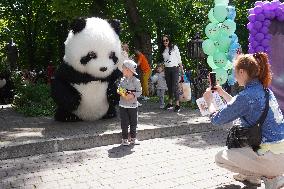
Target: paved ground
pixel 185 162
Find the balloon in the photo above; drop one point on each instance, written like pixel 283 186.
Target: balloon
pixel 257 9
pixel 234 38
pixel 221 75
pixel 259 36
pixel 231 79
pixel 265 43
pixel 229 65
pixel 251 11
pixel 252 17
pixel 223 43
pixel 211 63
pixel 212 31
pixel 221 2
pixel 266 22
pixel 260 17
pixel 254 44
pixel 281 18
pixel 257 25
pixel 272 15
pixel 278 12
pixel 229 26
pixel 231 13
pixel 268 36
pixel 266 6
pixel 259 49
pixel 220 59
pixel 264 30
pixel 235 46
pixel 220 12
pixel 211 17
pixel 250 26
pixel 208 47
pixel 258 3
pixel 253 31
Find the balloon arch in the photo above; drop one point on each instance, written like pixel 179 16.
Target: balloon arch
pixel 260 18
pixel 266 29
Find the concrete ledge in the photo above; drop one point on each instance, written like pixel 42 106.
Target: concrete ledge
pixel 22 149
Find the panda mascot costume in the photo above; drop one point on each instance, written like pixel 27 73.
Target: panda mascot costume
pixel 84 87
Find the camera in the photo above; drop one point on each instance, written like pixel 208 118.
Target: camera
pixel 212 79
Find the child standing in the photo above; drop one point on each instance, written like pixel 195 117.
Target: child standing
pixel 129 89
pixel 159 78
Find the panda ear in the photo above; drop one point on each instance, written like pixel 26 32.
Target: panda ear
pixel 115 24
pixel 78 25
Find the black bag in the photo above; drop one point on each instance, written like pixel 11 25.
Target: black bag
pixel 239 137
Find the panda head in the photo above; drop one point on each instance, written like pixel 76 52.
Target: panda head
pixel 93 46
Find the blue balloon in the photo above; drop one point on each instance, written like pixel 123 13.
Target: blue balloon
pixel 234 38
pixel 235 45
pixel 232 13
pixel 231 79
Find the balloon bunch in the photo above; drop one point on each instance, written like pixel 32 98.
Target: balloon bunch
pixel 259 21
pixel 222 43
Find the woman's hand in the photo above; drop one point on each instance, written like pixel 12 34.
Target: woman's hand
pixel 208 95
pixel 219 90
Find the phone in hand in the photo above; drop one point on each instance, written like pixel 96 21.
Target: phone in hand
pixel 212 79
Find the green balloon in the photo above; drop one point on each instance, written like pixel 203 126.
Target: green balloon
pixel 221 2
pixel 211 17
pixel 220 59
pixel 229 27
pixel 221 75
pixel 223 43
pixel 211 63
pixel 229 65
pixel 212 31
pixel 220 12
pixel 208 47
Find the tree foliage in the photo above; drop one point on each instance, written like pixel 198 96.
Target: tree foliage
pixel 39 27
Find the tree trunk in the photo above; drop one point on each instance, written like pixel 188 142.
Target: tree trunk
pixel 142 38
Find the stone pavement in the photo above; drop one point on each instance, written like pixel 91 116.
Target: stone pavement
pixel 180 162
pixel 23 136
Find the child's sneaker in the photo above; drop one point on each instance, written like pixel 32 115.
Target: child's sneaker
pixel 177 108
pixel 162 106
pixel 169 107
pixel 124 142
pixel 134 141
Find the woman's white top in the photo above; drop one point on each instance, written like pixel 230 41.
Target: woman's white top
pixel 174 59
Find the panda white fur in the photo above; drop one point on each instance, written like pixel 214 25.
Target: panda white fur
pixel 84 86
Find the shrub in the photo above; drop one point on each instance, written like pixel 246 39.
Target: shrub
pixel 33 99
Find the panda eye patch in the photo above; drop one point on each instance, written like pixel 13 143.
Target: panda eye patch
pixel 91 55
pixel 113 57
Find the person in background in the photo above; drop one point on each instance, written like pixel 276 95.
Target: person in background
pixel 129 90
pixel 159 78
pixel 145 69
pixel 253 72
pixel 173 64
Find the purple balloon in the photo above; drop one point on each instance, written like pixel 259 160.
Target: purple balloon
pixel 257 25
pixel 257 9
pixel 281 18
pixel 272 15
pixel 258 3
pixel 274 5
pixel 265 43
pixel 251 11
pixel 250 26
pixel 250 50
pixel 252 17
pixel 260 17
pixel 266 13
pixel 259 49
pixel 264 30
pixel 267 49
pixel 251 38
pixel 266 22
pixel 266 5
pixel 254 44
pixel 268 36
pixel 278 12
pixel 253 31
pixel 259 37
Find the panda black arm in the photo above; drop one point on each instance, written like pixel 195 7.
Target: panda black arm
pixel 112 96
pixel 65 95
